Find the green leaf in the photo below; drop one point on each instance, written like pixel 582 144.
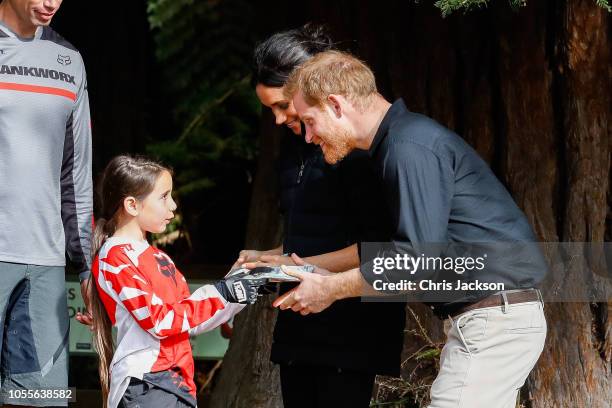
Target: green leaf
pixel 429 354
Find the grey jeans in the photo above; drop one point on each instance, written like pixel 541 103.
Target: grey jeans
pixel 34 330
pixel 488 355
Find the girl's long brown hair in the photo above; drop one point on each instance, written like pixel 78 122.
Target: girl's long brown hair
pixel 124 176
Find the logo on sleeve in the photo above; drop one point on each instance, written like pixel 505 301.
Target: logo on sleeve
pixel 64 59
pixel 127 247
pixel 240 292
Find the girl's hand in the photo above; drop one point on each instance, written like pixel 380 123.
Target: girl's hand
pixel 86 318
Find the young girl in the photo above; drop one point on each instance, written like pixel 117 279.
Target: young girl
pixel 140 291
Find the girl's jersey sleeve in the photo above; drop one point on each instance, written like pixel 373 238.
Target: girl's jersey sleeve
pixel 215 321
pixel 203 310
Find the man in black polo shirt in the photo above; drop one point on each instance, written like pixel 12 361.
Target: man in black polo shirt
pixel 440 193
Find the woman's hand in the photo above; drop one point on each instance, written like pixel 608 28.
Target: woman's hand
pixel 247 255
pixel 270 260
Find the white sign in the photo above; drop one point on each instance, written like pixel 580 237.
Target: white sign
pixel 210 345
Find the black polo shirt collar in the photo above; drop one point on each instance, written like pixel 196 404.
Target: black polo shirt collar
pixel 397 109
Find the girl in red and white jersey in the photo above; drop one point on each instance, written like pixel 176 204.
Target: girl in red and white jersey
pixel 140 291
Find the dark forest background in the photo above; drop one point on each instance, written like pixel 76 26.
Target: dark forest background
pixel 528 87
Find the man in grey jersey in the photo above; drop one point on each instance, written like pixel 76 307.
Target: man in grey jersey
pixel 45 198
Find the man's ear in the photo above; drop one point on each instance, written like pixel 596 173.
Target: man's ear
pixel 335 104
pixel 130 205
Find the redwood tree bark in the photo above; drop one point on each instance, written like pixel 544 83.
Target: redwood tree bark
pixel 575 368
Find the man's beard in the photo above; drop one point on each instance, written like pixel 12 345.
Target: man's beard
pixel 338 143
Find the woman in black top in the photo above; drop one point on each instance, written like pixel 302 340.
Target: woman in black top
pixel 327 359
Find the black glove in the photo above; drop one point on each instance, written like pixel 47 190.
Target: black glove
pixel 240 288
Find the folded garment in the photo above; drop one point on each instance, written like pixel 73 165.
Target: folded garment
pixel 272 273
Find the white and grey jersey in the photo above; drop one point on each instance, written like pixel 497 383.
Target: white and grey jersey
pixel 45 147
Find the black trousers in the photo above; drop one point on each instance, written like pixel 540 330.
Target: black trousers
pixel 322 387
pixel 141 394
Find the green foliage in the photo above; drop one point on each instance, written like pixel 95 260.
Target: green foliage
pixel 450 6
pixel 201 47
pixel 604 4
pixel 428 354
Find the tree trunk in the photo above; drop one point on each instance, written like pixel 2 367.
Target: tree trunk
pixel 248 378
pixel 574 370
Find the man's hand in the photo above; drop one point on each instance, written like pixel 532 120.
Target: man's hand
pixel 86 318
pixel 314 294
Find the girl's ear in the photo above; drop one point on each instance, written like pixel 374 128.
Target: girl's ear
pixel 130 205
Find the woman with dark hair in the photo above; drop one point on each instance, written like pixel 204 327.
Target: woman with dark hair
pixel 328 359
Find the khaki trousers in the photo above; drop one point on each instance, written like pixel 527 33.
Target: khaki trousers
pixel 488 355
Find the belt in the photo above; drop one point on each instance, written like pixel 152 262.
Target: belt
pixel 503 299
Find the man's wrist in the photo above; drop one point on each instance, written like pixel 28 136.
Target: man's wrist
pixel 341 285
pixel 335 287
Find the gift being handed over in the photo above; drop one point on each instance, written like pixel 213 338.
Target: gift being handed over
pixel 243 285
